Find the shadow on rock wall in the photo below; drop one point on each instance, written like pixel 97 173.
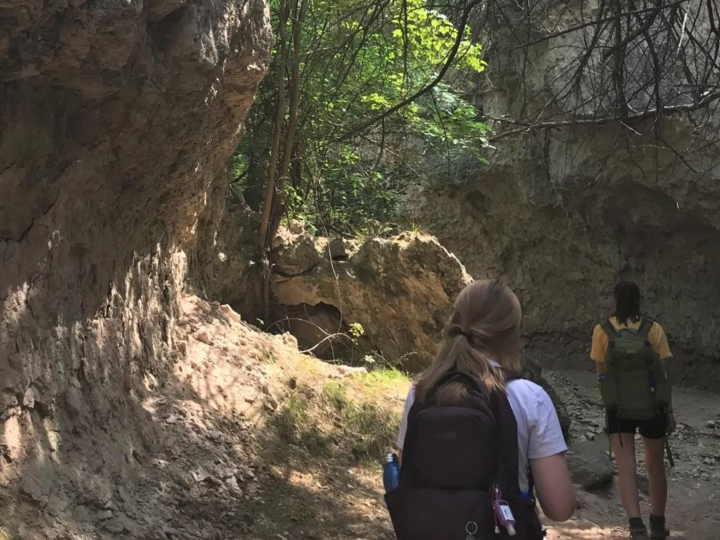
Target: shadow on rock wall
pixel 116 122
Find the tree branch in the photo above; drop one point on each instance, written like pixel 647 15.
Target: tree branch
pixel 407 101
pixel 600 121
pixel 600 21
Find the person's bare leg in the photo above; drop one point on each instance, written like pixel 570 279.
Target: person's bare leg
pixel 654 461
pixel 625 459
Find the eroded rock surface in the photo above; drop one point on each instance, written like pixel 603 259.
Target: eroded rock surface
pixel 235 275
pixel 399 289
pixel 116 121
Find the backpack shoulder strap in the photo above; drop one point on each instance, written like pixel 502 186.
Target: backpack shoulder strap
pixel 645 326
pixel 508 465
pixel 609 329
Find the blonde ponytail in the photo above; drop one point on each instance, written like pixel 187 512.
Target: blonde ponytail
pixel 484 327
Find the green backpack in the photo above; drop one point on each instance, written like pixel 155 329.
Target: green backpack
pixel 635 386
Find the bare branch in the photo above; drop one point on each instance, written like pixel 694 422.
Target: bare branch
pixel 600 21
pixel 599 121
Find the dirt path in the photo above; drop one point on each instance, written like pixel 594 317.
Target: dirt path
pixel 308 484
pixel 308 492
pixel 344 501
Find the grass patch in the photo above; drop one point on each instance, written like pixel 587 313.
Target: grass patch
pixel 368 430
pixel 292 419
pixel 306 364
pixel 381 382
pixel 356 416
pixel 294 425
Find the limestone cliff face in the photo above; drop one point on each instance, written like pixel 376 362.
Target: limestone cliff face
pixel 116 121
pixel 563 213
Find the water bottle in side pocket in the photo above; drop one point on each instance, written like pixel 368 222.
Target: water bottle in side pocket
pixel 391 472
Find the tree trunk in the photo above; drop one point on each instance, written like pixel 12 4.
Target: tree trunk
pixel 277 133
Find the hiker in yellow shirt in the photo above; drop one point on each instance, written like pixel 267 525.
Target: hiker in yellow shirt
pixel 628 321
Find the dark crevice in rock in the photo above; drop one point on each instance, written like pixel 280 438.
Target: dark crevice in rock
pixel 319 327
pixel 45 212
pixel 287 275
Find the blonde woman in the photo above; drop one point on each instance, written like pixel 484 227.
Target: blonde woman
pixel 476 439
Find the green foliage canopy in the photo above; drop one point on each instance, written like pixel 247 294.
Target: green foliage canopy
pixel 357 59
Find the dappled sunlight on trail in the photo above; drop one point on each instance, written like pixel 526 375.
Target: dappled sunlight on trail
pixel 577 530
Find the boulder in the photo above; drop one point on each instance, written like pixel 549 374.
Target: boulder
pixel 295 253
pixel 533 371
pixel 590 464
pixel 399 290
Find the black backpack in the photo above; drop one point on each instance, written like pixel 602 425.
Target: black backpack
pixel 452 457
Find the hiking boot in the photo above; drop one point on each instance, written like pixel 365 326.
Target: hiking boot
pixel 657 528
pixel 638 530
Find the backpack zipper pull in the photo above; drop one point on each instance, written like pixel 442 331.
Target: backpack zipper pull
pixel 496 496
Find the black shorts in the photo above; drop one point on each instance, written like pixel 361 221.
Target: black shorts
pixel 650 429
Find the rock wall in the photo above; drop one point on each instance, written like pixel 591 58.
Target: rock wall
pixel 563 213
pixel 117 118
pixel 235 274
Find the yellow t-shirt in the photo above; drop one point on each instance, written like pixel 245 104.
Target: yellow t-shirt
pixel 656 336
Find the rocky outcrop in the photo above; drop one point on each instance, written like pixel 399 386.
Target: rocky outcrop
pixel 116 122
pixel 563 213
pixel 400 290
pixel 236 275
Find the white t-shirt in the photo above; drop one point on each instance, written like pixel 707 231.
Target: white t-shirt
pixel 539 432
